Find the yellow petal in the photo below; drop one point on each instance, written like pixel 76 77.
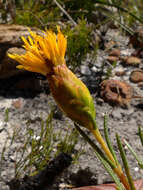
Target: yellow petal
pixel 43 53
pixel 62 43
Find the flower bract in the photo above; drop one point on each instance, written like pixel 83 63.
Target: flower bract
pixel 45 55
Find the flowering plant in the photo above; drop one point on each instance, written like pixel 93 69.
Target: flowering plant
pixel 45 54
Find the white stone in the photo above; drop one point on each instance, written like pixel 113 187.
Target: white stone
pixel 85 70
pixel 1 124
pixel 6 103
pixel 94 69
pixel 136 169
pixel 41 147
pixel 37 138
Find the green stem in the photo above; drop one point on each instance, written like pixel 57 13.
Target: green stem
pixel 118 170
pixel 104 160
pixel 94 146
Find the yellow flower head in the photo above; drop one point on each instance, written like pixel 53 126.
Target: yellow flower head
pixel 42 52
pixel 45 55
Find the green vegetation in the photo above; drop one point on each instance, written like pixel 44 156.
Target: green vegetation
pixel 108 164
pixel 79 39
pixel 37 149
pixel 77 19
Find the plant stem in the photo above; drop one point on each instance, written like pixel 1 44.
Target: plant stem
pixel 101 141
pixel 104 160
pixel 65 12
pixel 118 170
pixel 120 8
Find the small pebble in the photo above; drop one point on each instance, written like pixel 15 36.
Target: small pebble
pixel 112 59
pixel 134 61
pixel 94 69
pixel 115 52
pixel 17 104
pixel 54 149
pixel 36 137
pixel 136 76
pixel 41 147
pixel 136 169
pixel 63 185
pixel 120 73
pixel 85 70
pixel 1 124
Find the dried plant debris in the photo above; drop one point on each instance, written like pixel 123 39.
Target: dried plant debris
pixel 116 92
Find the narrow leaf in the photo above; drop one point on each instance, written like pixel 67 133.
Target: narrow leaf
pixel 141 135
pixel 102 158
pixel 108 139
pixel 140 162
pixel 125 163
